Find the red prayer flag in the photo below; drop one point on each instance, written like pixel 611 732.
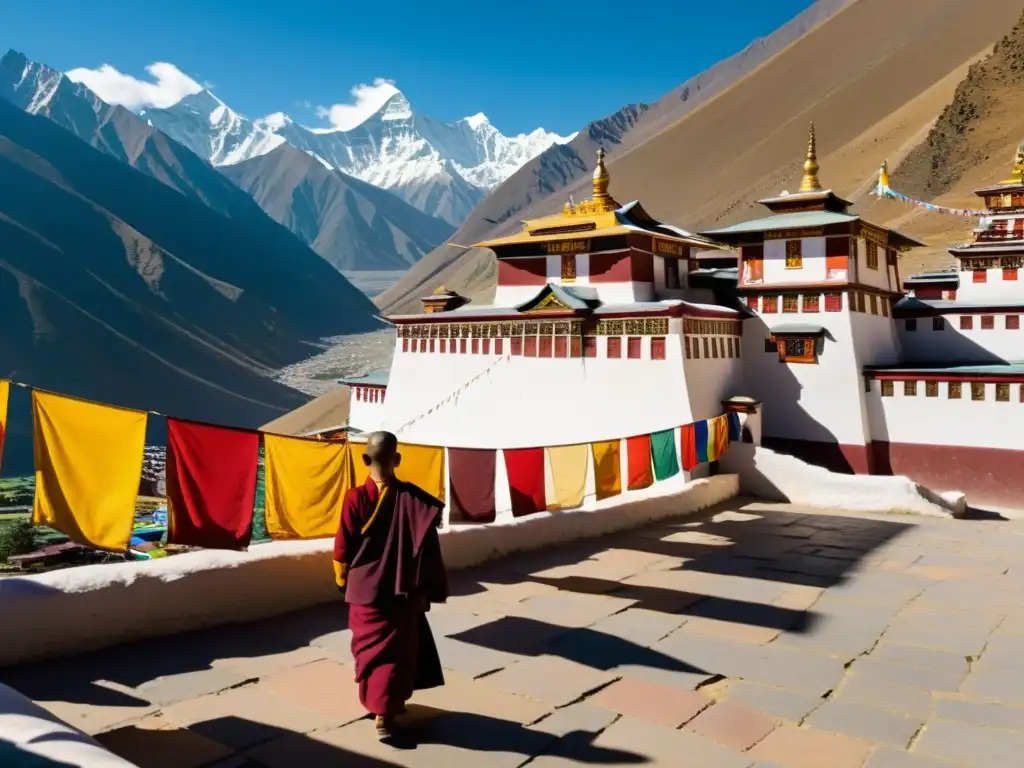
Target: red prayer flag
pixel 471 484
pixel 688 446
pixel 638 462
pixel 525 468
pixel 211 484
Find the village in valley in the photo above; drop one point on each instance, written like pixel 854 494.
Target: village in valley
pixel 721 420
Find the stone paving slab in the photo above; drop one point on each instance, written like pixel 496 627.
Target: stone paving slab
pixel 752 635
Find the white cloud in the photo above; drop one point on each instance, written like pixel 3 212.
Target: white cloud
pixel 168 86
pixel 366 99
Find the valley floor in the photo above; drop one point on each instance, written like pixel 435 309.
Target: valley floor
pixel 748 635
pixel 344 356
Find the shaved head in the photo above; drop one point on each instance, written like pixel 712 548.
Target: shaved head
pixel 382 454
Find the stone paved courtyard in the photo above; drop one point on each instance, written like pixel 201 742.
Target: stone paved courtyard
pixel 749 635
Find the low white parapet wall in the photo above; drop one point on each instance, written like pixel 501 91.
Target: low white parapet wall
pixel 74 610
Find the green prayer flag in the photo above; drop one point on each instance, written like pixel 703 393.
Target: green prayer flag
pixel 663 451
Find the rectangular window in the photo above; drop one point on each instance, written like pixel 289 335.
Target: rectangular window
pixel 561 346
pixel 931 389
pixel 977 390
pixel 714 347
pixel 1009 273
pixel 529 346
pixel 498 345
pixel 938 323
pixel 966 322
pixel 1013 322
pixel 770 345
pixel 790 303
pixel 884 302
pixel 872 252
pixel 810 302
pixel 753 263
pixel 909 388
pixel 590 346
pixel 658 348
pixel 953 390
pixel 517 345
pixel 487 346
pixel 474 346
pixel 798 350
pixel 988 322
pixel 696 349
pixel 1002 393
pixel 732 346
pixel 633 347
pixel 752 302
pixel 911 325
pixel 462 346
pixel 861 303
pixel 430 346
pixel 686 343
pixel 833 302
pixel 887 388
pixel 874 304
pixel 707 354
pixel 568 267
pixel 671 273
pixel 452 344
pixel 837 258
pixel 794 254
pixel 405 345
pixel 575 346
pixel 545 346
pixel 770 305
pixel 980 276
pixel 614 346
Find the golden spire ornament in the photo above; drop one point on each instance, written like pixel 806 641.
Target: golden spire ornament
pixel 810 183
pixel 1017 177
pixel 601 179
pixel 883 175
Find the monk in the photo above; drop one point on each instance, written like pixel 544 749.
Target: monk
pixel 387 563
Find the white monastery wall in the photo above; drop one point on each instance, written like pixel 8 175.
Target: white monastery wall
pixel 938 420
pixel 876 339
pixel 518 402
pixel 812 271
pixel 366 408
pixel 709 381
pixel 73 610
pixel 944 338
pixel 994 289
pixel 877 277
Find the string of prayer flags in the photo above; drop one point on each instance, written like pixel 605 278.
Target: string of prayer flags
pixel 638 463
pixel 721 436
pixel 607 469
pixel 88 461
pixel 735 432
pixel 211 484
pixel 525 469
pixel 688 446
pixel 5 393
pixel 306 481
pixel 421 465
pixel 471 476
pixel 663 452
pixel 568 475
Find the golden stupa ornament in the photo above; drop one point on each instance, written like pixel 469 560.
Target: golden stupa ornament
pixel 601 178
pixel 601 202
pixel 883 175
pixel 810 183
pixel 1017 177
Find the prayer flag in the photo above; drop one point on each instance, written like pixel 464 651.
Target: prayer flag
pixel 88 460
pixel 525 468
pixel 735 432
pixel 638 462
pixel 712 439
pixel 5 391
pixel 471 474
pixel 721 436
pixel 607 474
pixel 700 439
pixel 305 481
pixel 663 450
pixel 688 446
pixel 421 465
pixel 568 474
pixel 211 484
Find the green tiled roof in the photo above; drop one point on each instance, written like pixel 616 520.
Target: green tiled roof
pixel 785 221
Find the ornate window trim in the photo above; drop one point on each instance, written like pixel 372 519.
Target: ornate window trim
pixel 797 349
pixel 794 254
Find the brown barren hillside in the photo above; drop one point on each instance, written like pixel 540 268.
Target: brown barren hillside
pixel 874 78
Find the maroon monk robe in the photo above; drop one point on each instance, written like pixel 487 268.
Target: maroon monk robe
pixel 388 558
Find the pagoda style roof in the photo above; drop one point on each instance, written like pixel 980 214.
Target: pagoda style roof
pixel 784 221
pixel 555 296
pixel 601 216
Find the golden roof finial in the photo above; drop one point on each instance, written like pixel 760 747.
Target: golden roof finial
pixel 439 290
pixel 883 175
pixel 1017 177
pixel 601 178
pixel 810 183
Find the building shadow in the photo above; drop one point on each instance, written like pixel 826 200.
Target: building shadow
pixel 14 756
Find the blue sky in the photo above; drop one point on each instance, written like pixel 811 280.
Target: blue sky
pixel 523 64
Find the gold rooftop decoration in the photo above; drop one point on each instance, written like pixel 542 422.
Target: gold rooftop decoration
pixel 1017 176
pixel 883 175
pixel 810 183
pixel 601 202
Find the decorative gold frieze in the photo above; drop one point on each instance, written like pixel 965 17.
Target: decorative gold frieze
pixel 794 234
pixel 992 262
pixel 530 329
pixel 874 235
pixel 559 247
pixel 563 327
pixel 651 326
pixel 546 329
pixel 668 248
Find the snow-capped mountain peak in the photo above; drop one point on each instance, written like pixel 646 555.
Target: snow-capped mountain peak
pixel 479 120
pixel 396 108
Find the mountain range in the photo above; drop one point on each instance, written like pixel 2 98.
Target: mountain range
pixel 873 75
pixel 442 169
pixel 133 273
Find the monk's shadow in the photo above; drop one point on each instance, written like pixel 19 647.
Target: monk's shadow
pixel 480 733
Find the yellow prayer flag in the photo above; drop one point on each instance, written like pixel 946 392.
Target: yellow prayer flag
pixel 568 475
pixel 88 460
pixel 721 436
pixel 712 439
pixel 306 482
pixel 421 465
pixel 5 391
pixel 607 469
